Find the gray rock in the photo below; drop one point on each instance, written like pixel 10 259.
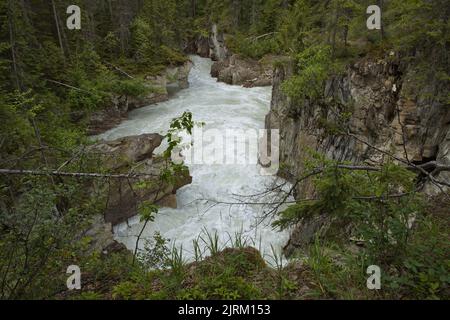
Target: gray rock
pixel 219 51
pixel 378 95
pixel 135 153
pixel 237 70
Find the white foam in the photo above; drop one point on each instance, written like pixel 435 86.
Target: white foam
pixel 221 107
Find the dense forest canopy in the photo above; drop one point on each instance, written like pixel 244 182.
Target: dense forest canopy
pixel 52 79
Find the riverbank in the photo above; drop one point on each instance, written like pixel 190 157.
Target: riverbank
pixel 159 88
pixel 202 204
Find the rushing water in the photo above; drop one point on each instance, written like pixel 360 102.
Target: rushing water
pixel 221 107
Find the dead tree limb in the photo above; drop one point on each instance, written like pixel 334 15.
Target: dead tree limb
pixel 410 165
pixel 69 86
pixel 119 70
pixel 76 174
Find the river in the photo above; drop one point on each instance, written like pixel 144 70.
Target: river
pixel 219 106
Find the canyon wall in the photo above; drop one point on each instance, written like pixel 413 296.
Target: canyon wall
pixel 383 107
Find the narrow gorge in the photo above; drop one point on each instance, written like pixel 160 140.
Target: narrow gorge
pixel 201 206
pixel 224 150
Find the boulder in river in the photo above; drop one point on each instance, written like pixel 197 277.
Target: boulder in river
pixel 135 154
pixel 238 70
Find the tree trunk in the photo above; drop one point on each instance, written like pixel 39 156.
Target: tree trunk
pixel 12 41
pixel 380 4
pixel 193 8
pixel 334 29
pixel 55 14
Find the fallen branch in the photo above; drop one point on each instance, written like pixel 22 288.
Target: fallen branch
pixel 262 36
pixel 76 174
pixel 119 70
pixel 409 165
pixel 69 86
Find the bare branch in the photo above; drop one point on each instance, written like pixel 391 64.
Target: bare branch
pixel 410 165
pixel 76 174
pixel 119 70
pixel 69 86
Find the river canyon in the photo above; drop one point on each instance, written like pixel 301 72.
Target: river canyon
pixel 204 206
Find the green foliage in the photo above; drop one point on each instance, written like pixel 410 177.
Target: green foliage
pixel 177 126
pixel 224 287
pixel 222 276
pixel 420 272
pixel 382 211
pixel 131 88
pixel 16 129
pixel 423 269
pixel 323 35
pixel 48 82
pixel 367 201
pixel 89 295
pixel 147 211
pixel 314 65
pixel 156 253
pixel 418 23
pixel 35 249
pixel 157 33
pixel 253 47
pixel 336 273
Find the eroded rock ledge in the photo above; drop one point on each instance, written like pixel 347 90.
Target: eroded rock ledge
pixel 381 99
pixel 237 70
pixel 135 154
pixel 228 67
pixel 172 79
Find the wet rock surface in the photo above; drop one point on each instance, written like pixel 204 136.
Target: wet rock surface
pixel 237 70
pixel 383 110
pixel 134 154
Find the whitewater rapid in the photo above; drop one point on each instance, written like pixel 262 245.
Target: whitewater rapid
pixel 219 106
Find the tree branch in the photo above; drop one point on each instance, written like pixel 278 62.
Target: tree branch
pixel 76 174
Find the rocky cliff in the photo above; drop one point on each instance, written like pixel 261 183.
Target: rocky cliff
pixel 135 154
pixel 381 107
pixel 210 45
pixel 129 155
pixel 238 70
pixel 228 67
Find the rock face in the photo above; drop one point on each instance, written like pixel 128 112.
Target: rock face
pixel 102 238
pixel 135 154
pixel 237 70
pixel 178 76
pixel 200 46
pixel 383 110
pixel 219 51
pixel 209 46
pixel 231 68
pixel 173 79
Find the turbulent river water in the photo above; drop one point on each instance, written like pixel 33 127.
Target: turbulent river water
pixel 200 205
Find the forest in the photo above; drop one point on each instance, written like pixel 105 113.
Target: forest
pixel 56 181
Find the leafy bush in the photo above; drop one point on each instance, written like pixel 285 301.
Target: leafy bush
pixel 314 66
pixel 368 202
pixel 131 87
pixel 253 47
